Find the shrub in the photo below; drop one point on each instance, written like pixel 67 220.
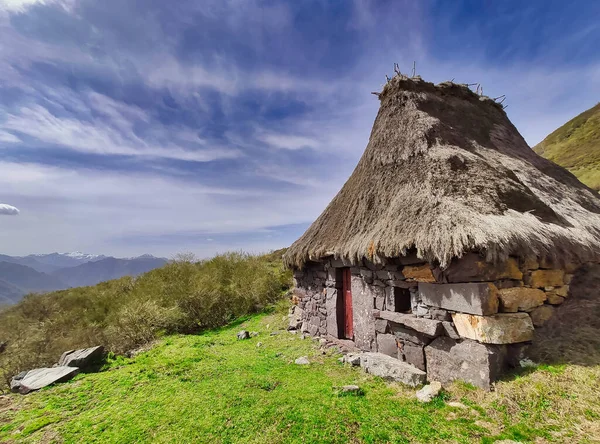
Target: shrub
pixel 184 296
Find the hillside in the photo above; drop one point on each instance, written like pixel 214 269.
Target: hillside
pixel 9 294
pixel 27 279
pixel 55 271
pixel 180 297
pixel 91 273
pixel 576 146
pixel 212 388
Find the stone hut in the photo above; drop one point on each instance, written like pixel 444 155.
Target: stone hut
pixel 450 242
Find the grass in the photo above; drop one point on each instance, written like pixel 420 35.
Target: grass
pixel 184 296
pixel 576 146
pixel 210 387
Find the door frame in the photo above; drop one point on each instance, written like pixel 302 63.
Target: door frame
pixel 347 318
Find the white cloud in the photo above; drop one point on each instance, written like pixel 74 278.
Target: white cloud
pixel 8 137
pixel 99 211
pixel 18 5
pixel 288 141
pixel 8 210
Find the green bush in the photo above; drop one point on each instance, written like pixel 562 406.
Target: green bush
pixel 184 296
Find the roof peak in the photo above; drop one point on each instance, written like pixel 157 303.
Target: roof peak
pixel 402 82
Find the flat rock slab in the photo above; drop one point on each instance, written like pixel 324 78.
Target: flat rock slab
pixel 392 369
pixel 43 377
pixel 82 358
pixel 478 298
pixel 505 328
pixel 428 327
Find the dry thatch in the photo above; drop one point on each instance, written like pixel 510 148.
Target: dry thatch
pixel 446 172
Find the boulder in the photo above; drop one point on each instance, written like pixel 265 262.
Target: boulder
pixel 504 328
pixel 546 278
pixel 428 327
pixel 541 315
pixel 474 298
pixel 83 358
pixel 387 345
pixel 520 299
pixel 478 364
pixel 26 382
pixel 392 369
pixel 420 273
pixel 430 391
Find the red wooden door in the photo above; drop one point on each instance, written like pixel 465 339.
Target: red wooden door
pixel 347 293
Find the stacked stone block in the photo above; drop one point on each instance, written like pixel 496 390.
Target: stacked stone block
pixel 469 321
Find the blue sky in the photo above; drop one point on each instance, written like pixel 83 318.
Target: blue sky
pixel 130 127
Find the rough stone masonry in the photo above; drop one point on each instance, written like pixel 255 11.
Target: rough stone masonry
pixel 470 321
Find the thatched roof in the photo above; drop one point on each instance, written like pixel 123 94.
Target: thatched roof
pixel 446 172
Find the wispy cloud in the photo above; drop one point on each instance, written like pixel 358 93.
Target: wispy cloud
pixel 115 134
pixel 8 210
pixel 8 137
pixel 128 127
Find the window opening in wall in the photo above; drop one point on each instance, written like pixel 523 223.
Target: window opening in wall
pixel 402 300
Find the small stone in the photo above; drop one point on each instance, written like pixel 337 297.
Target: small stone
pixel 555 299
pixel 253 334
pixel 430 391
pixel 243 335
pixel 303 337
pixel 275 333
pixel 527 363
pixel 350 388
pixel 259 344
pixel 457 405
pixel 541 315
pixel 303 360
pixel 323 341
pixel 293 332
pixel 353 360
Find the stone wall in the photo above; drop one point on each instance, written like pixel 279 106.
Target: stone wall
pixel 469 321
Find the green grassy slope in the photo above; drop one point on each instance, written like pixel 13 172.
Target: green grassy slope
pixel 213 388
pixel 182 297
pixel 576 146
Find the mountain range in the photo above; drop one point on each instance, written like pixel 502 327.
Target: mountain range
pixel 576 147
pixel 20 275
